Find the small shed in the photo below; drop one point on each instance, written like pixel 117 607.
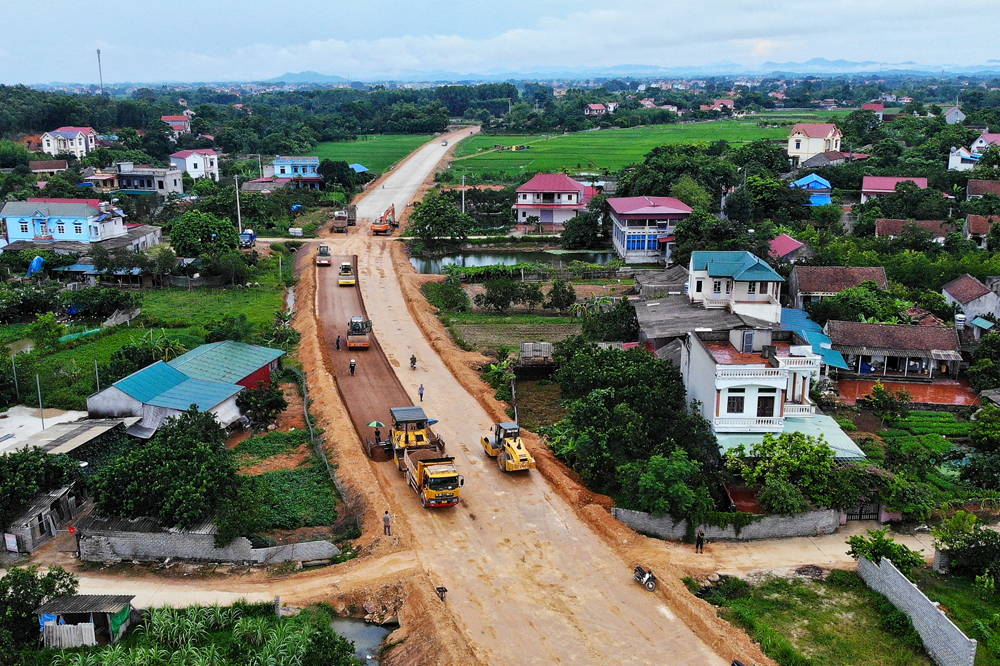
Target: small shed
pixel 536 354
pixel 45 515
pixel 75 619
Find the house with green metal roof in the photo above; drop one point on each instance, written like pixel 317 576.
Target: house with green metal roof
pixel 737 281
pixel 230 362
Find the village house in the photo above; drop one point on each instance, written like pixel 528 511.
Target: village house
pixel 44 515
pixel 47 167
pixel 819 188
pixel 902 352
pixel 976 189
pixel 178 124
pixel 811 284
pixel 877 109
pixel 971 296
pixel 81 220
pixel 289 171
pixel 966 159
pixel 938 229
pixel 77 141
pixel 553 198
pixel 954 116
pixel 810 139
pixel 787 250
pixel 594 110
pixel 230 362
pixel 873 187
pixel 977 228
pixel 984 141
pixel 736 281
pixel 198 163
pixel 130 178
pixel 643 227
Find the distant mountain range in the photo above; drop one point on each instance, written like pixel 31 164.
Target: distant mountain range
pixel 307 77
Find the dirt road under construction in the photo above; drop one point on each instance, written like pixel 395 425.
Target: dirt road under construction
pixel 529 582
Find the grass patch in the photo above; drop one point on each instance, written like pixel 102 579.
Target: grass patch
pixel 198 307
pixel 12 332
pixel 964 606
pixel 378 152
pixel 303 497
pixel 836 622
pixel 260 447
pixel 539 403
pixel 944 424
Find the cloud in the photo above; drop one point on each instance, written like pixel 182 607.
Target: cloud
pixel 763 48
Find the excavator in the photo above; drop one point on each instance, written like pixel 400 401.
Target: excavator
pixel 385 224
pixel 504 443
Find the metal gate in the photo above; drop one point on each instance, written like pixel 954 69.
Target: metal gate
pixel 864 512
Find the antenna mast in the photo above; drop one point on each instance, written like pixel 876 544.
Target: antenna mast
pixel 100 72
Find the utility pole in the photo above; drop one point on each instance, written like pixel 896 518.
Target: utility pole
pixel 260 167
pixel 239 216
pixel 41 409
pixel 100 71
pixel 97 376
pixel 16 389
pixel 463 195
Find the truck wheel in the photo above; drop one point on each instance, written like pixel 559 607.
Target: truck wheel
pixel 423 503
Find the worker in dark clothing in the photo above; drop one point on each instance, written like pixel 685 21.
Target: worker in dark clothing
pixel 378 435
pixel 354 364
pixel 699 542
pixel 338 343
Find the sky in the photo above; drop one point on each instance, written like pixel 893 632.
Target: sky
pixel 245 40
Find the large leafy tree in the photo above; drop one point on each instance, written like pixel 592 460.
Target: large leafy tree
pixel 671 484
pixel 179 476
pixel 984 373
pixel 866 302
pixel 197 233
pixel 804 461
pixel 437 221
pixel 581 233
pixel 262 404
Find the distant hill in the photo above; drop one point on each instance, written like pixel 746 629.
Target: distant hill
pixel 307 77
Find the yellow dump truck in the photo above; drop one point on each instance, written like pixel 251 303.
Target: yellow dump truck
pixel 504 443
pixel 346 276
pixel 433 477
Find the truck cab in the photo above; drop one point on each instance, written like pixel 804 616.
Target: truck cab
pixel 433 477
pixel 248 239
pixel 504 443
pixel 345 278
pixel 324 258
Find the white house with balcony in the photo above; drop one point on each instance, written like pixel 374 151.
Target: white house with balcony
pixel 737 281
pixel 811 139
pixel 554 198
pixel 78 141
pixel 643 227
pixel 198 163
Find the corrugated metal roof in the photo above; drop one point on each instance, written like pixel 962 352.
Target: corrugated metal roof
pixel 86 603
pixel 737 265
pixel 407 414
pixel 204 394
pixel 843 446
pixel 226 361
pixel 151 381
pixel 982 323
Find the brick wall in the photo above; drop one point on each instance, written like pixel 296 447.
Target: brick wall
pixel 810 523
pixel 157 546
pixel 944 642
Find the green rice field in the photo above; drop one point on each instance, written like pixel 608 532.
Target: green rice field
pixel 378 152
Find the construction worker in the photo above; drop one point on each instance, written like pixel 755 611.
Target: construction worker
pixel 354 364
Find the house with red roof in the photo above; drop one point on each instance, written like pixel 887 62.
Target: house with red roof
pixel 877 109
pixel 966 159
pixel 984 141
pixel 811 139
pixel 811 284
pixel 938 229
pixel 977 188
pixel 971 296
pixel 977 228
pixel 178 124
pixel 198 163
pixel 553 198
pixel 594 110
pixel 873 187
pixel 787 250
pixel 78 141
pixel 643 227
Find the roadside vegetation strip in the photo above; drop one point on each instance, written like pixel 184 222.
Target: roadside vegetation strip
pixel 378 152
pixel 975 612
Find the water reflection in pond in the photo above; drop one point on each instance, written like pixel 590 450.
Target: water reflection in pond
pixel 434 264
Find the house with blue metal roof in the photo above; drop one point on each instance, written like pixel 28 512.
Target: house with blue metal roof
pixel 230 362
pixel 158 392
pixel 738 281
pixel 819 189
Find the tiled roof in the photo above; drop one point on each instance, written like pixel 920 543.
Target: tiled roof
pixel 74 130
pixel 67 210
pixel 226 361
pixel 815 130
pixel 93 203
pixel 47 165
pixel 980 224
pixel 174 119
pixel 597 107
pixel 551 182
pixel 888 183
pixel 197 151
pixel 736 265
pixel 966 289
pixel 873 107
pixel 991 139
pixel 648 206
pixel 937 228
pixel 891 336
pixel 784 244
pixel 833 279
pixel 980 187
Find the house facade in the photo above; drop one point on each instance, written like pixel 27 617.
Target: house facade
pixel 966 159
pixel 873 187
pixel 745 381
pixel 811 139
pixel 295 172
pixel 138 179
pixel 954 116
pixel 977 228
pixel 971 296
pixel 78 141
pixel 736 281
pixel 877 109
pixel 553 198
pixel 47 167
pixel 811 284
pixel 643 227
pixel 902 352
pixel 594 110
pixel 199 163
pixel 54 220
pixel 178 124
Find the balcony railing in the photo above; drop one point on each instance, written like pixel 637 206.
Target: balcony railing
pixel 751 373
pixel 748 423
pixel 795 409
pixel 715 303
pixel 798 362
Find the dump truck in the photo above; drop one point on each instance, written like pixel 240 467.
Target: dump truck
pixel 248 239
pixel 352 214
pixel 346 276
pixel 339 224
pixel 357 333
pixel 504 443
pixel 433 477
pixel 324 258
pixel 386 223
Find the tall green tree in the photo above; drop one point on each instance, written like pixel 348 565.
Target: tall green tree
pixel 436 221
pixel 197 233
pixel 22 590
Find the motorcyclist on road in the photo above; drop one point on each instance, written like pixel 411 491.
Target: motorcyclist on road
pixel 413 361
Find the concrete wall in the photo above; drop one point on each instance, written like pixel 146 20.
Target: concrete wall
pixel 698 372
pixel 156 546
pixel 810 523
pixel 944 642
pixel 112 403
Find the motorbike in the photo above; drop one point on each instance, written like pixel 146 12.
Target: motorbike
pixel 646 578
pixel 413 363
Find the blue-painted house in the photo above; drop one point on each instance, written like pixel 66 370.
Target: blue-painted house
pixel 300 171
pixel 81 220
pixel 819 189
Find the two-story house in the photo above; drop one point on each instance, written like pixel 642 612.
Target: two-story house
pixel 811 284
pixel 78 141
pixel 737 281
pixel 553 198
pixel 954 116
pixel 643 227
pixel 178 124
pixel 133 178
pixel 198 163
pixel 811 139
pixel 971 296
pixel 295 172
pixel 966 159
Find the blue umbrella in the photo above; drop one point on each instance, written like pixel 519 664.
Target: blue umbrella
pixel 431 421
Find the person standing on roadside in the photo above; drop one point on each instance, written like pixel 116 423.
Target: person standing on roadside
pixel 387 523
pixel 338 343
pixel 354 364
pixel 699 542
pixel 421 392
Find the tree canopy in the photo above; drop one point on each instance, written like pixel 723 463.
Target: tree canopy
pixel 197 233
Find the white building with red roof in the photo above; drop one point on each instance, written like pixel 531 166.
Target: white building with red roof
pixel 178 124
pixel 873 187
pixel 643 227
pixel 554 198
pixel 811 139
pixel 594 110
pixel 971 296
pixel 76 141
pixel 198 163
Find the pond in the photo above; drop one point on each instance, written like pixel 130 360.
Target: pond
pixel 508 258
pixel 367 637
